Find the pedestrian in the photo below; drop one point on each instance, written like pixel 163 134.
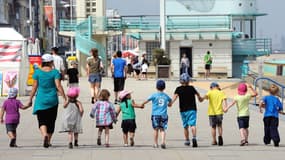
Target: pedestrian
pixel 71 116
pixel 184 64
pixel 45 87
pixel 104 112
pixel 119 70
pixel 208 59
pixel 73 75
pixel 217 103
pixel 159 116
pixel 137 66
pixel 128 124
pixel 11 108
pixel 58 62
pixel 242 102
pixel 129 66
pixel 94 66
pixel 272 107
pixel 144 70
pixel 187 107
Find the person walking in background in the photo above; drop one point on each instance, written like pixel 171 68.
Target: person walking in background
pixel 119 70
pixel 159 116
pixel 93 67
pixel 208 59
pixel 144 70
pixel 104 112
pixel 71 116
pixel 130 69
pixel 11 108
pixel 242 102
pixel 137 66
pixel 45 87
pixel 184 64
pixel 187 107
pixel 272 106
pixel 73 75
pixel 58 62
pixel 128 125
pixel 217 103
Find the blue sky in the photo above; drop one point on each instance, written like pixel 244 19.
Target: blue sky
pixel 270 26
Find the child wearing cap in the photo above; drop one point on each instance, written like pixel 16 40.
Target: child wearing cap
pixel 242 102
pixel 11 108
pixel 71 117
pixel 272 106
pixel 159 117
pixel 187 107
pixel 128 125
pixel 104 112
pixel 73 75
pixel 217 102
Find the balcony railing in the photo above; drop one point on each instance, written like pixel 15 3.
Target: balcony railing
pixel 252 47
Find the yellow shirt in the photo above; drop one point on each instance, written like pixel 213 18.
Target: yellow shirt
pixel 216 98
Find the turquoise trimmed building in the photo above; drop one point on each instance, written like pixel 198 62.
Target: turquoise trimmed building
pixel 226 28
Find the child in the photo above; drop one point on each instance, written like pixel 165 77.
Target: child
pixel 72 114
pixel 242 101
pixel 73 75
pixel 159 117
pixel 217 102
pixel 188 107
pixel 12 115
pixel 105 114
pixel 128 125
pixel 272 106
pixel 144 70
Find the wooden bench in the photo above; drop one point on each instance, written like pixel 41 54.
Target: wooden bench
pixel 217 71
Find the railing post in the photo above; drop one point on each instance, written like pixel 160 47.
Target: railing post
pixel 90 26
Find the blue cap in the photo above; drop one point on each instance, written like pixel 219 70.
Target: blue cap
pixel 184 78
pixel 160 84
pixel 214 84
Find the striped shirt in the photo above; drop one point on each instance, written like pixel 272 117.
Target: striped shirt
pixel 104 112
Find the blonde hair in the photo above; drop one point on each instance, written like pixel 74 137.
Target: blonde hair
pixel 274 90
pixel 104 95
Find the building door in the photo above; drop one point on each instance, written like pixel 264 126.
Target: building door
pixel 188 52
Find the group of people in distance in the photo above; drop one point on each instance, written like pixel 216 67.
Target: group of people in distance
pixel 45 106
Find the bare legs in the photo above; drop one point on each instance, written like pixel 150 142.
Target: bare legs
pixel 244 135
pixel 125 137
pixel 220 132
pixel 162 134
pixel 107 136
pixel 12 136
pixel 207 73
pixel 46 136
pixel 95 89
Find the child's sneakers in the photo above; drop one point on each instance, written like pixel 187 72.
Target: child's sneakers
pixel 155 146
pixel 132 142
pixel 194 143
pixel 70 146
pixel 163 146
pixel 187 142
pixel 13 143
pixel 99 141
pixel 76 143
pixel 220 141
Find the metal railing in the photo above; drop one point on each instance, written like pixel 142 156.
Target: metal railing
pixel 272 81
pixel 255 47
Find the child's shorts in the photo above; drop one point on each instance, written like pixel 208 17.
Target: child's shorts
pixel 128 125
pixel 216 120
pixel 11 127
pixel 188 118
pixel 243 122
pixel 159 121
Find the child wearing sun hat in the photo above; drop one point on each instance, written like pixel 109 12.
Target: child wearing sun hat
pixel 128 125
pixel 242 102
pixel 72 114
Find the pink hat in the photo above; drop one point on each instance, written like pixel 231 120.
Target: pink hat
pixel 73 92
pixel 242 89
pixel 123 94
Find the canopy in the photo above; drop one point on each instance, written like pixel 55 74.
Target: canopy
pixel 10 34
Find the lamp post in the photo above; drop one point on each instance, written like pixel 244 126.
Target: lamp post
pixel 30 21
pixel 54 21
pixel 162 24
pixel 71 20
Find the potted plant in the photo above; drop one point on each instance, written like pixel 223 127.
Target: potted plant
pixel 162 63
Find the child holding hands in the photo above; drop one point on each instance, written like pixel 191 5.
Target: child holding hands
pixel 128 125
pixel 159 117
pixel 242 102
pixel 11 108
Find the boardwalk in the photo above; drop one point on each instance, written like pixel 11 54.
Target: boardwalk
pixel 30 144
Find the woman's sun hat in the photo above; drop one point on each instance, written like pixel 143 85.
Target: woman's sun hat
pixel 123 94
pixel 47 58
pixel 73 92
pixel 242 89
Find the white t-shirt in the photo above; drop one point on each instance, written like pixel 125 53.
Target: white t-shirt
pixel 58 63
pixel 144 67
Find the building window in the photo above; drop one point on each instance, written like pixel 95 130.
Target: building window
pixel 94 4
pixel 87 4
pixel 155 44
pixel 93 9
pixel 87 9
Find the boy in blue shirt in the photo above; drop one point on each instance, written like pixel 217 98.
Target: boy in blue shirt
pixel 159 117
pixel 273 107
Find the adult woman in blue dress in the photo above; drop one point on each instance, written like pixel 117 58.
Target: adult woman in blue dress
pixel 45 87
